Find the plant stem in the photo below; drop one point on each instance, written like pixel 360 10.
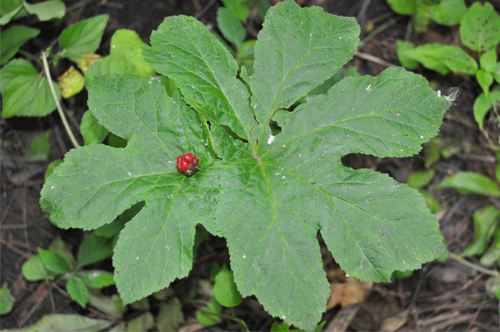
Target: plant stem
pixel 56 100
pixel 473 266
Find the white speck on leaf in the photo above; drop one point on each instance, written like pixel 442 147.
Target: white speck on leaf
pixel 347 275
pixel 421 136
pixel 270 139
pixel 51 187
pixel 283 177
pixel 137 258
pixel 244 256
pixel 368 88
pixel 129 173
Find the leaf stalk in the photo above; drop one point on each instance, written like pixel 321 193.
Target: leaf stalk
pixel 58 105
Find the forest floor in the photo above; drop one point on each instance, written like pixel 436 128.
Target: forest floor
pixel 445 296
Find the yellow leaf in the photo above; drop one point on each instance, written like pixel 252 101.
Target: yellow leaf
pixel 71 82
pixel 86 60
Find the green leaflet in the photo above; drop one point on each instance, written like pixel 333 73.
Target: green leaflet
pixel 12 39
pixel 267 195
pixel 25 92
pixel 479 27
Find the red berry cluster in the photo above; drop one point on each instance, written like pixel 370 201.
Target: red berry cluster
pixel 188 164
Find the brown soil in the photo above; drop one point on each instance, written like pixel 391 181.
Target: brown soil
pixel 440 296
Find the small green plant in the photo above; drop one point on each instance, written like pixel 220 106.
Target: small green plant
pixel 444 12
pixel 57 264
pixel 6 300
pixel 480 32
pixel 268 193
pixel 486 240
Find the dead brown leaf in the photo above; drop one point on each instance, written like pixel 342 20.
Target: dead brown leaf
pixel 351 292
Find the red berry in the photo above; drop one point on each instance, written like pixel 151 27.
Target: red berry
pixel 196 161
pixel 179 159
pixel 189 158
pixel 182 166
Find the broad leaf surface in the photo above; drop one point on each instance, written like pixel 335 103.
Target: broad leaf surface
pixel 231 27
pixel 25 92
pixel 448 12
pixel 82 37
pixel 12 39
pixel 271 194
pixel 479 27
pixel 46 10
pixel 77 290
pixel 96 183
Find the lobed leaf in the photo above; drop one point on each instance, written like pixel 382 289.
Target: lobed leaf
pixel 272 192
pixel 97 182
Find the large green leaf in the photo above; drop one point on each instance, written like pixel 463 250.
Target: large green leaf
pixel 25 92
pixel 270 194
pixel 13 38
pixel 479 27
pixel 115 179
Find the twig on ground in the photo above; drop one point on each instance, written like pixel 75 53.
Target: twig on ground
pixel 372 58
pixel 20 252
pixel 377 31
pixel 205 9
pixel 473 266
pixel 361 17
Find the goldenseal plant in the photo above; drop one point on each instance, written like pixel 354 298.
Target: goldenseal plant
pixel 268 194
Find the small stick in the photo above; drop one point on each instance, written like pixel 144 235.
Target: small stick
pixel 373 59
